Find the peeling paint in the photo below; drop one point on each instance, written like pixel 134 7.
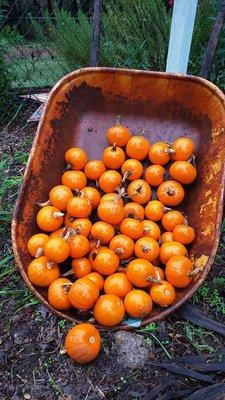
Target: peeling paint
pixel 216 132
pixel 216 167
pixel 208 192
pixel 210 205
pixel 208 231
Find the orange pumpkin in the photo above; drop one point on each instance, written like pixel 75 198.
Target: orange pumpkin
pixel 109 310
pixel 83 343
pixel 58 294
pixel 83 294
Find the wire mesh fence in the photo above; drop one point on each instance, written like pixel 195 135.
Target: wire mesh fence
pixel 42 40
pixel 30 61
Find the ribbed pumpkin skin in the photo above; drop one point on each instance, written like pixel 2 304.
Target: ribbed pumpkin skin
pixel 83 343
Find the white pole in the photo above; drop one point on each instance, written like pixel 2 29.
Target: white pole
pixel 181 32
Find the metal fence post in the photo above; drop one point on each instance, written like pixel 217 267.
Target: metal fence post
pixel 95 41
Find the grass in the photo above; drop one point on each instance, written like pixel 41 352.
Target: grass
pixel 9 185
pixel 10 281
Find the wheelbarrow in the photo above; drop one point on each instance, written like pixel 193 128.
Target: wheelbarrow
pixel 78 112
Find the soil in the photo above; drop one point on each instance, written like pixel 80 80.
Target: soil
pixel 31 365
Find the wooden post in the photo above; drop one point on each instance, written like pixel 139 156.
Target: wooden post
pixel 181 32
pixel 95 41
pixel 213 42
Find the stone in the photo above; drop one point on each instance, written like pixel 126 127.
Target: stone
pixel 131 350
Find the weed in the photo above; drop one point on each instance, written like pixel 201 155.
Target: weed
pixel 219 281
pixel 52 382
pixel 62 324
pixel 198 338
pixel 210 294
pixel 149 328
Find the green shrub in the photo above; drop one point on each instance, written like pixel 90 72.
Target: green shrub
pixel 134 34
pixel 68 37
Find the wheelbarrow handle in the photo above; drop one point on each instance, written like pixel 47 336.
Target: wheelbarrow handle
pixel 181 32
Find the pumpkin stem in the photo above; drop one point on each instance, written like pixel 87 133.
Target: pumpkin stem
pixel 58 214
pixel 67 167
pixel 67 235
pixel 96 183
pixel 153 280
pixel 72 232
pixel 98 243
pixel 92 339
pixel 94 253
pixel 39 252
pixel 119 250
pixel 62 351
pixel 185 219
pixel 166 209
pixel 142 132
pixel 139 189
pixel 170 191
pixel 145 248
pixel 78 193
pixel 126 175
pixel 50 264
pixel 114 147
pixel 44 204
pixel 169 149
pixel 63 232
pixel 121 192
pixel 146 230
pixel 118 120
pixel 66 286
pixel 68 273
pixel 192 160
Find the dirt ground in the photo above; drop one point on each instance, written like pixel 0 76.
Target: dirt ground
pixel 31 366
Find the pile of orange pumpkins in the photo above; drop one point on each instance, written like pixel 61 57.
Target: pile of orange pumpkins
pixel 111 241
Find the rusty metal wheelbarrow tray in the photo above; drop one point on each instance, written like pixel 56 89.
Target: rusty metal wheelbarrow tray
pixel 78 112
